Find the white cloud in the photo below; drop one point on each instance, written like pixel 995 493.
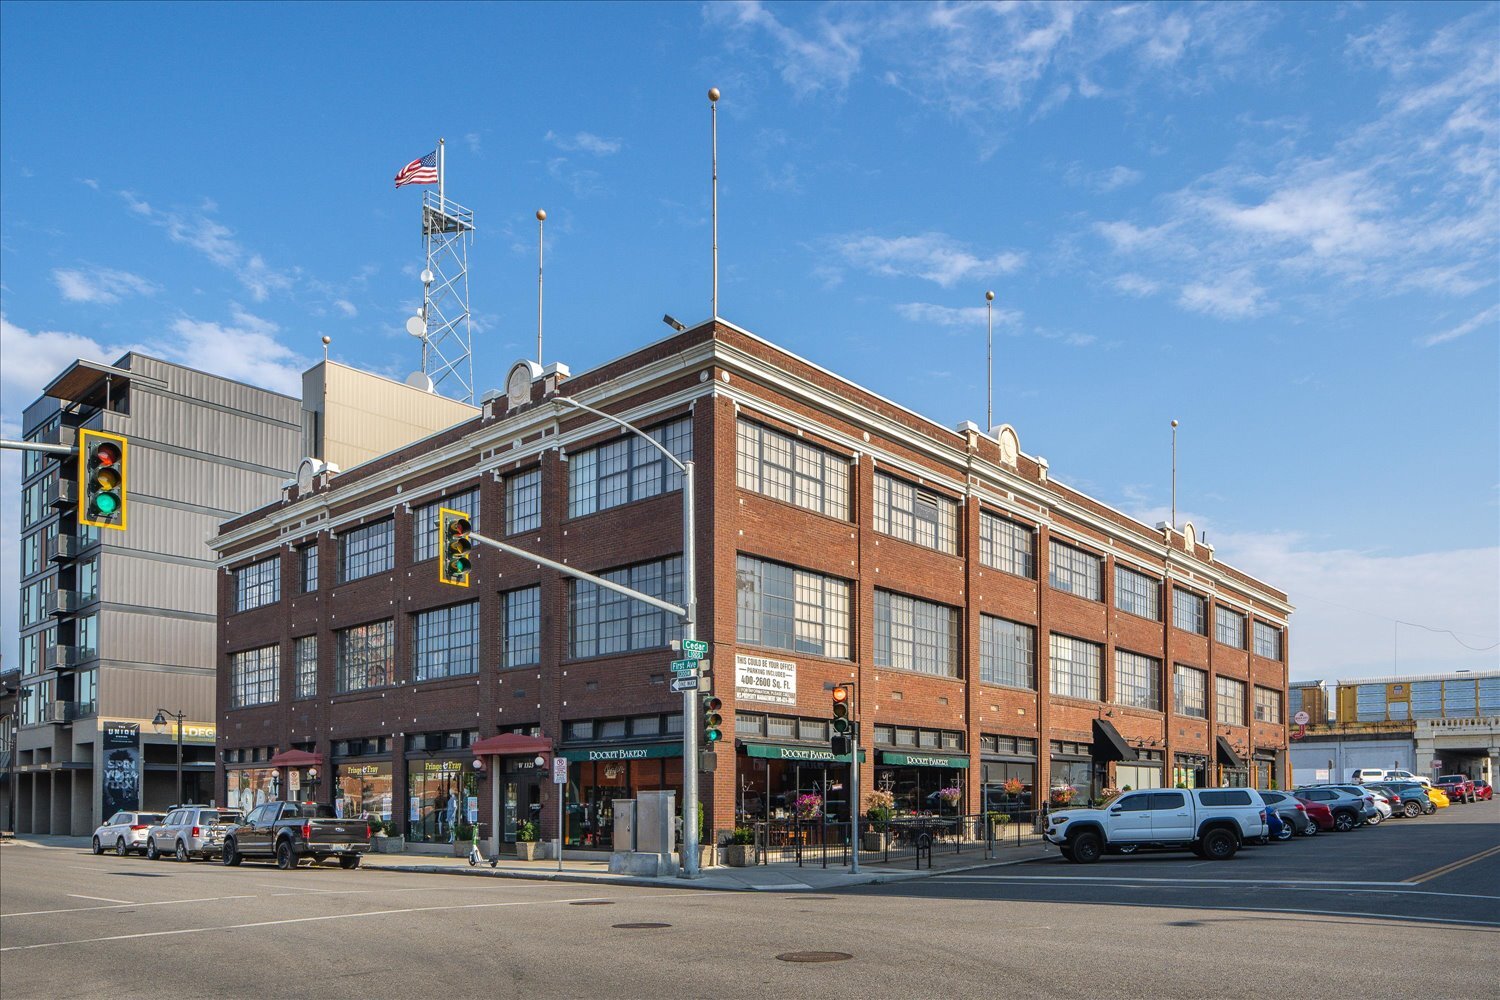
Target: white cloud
pixel 1102 181
pixel 823 60
pixel 1230 296
pixel 346 307
pixel 1487 318
pixel 585 142
pixel 101 285
pixel 935 257
pixel 1134 284
pixel 246 349
pixel 216 242
pixel 965 317
pixel 474 141
pixel 32 359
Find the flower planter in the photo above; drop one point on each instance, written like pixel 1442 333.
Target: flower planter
pixel 388 845
pixel 530 850
pixel 741 855
pixel 874 840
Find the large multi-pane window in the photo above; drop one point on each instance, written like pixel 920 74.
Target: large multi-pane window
pixel 1267 705
pixel 306 650
pixel 1007 546
pixel 424 523
pixel 447 642
pixel 87 691
pixel 1190 691
pixel 912 634
pixel 366 656
pixel 87 581
pixel 31 553
pixel 793 609
pixel 1229 627
pixel 1189 611
pixel 1007 653
pixel 523 502
pixel 33 502
pixel 258 584
pixel 1073 570
pixel 521 638
pixel 1267 641
pixel 628 469
pixel 255 677
pixel 602 621
pixel 1137 680
pixel 1137 593
pixel 1076 668
pixel 913 514
pixel 783 468
pixel 307 567
pixel 85 637
pixel 367 550
pixel 31 654
pixel 1230 701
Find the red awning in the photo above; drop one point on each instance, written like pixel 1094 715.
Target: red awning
pixel 297 758
pixel 511 745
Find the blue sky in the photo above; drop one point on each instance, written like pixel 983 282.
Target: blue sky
pixel 1279 225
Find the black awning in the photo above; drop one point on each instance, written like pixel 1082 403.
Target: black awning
pixel 1109 744
pixel 1227 755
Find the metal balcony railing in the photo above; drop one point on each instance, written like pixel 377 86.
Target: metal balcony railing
pixel 62 548
pixel 62 491
pixel 63 712
pixel 64 602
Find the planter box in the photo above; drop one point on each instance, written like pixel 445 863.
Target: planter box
pixel 388 845
pixel 741 855
pixel 530 850
pixel 873 841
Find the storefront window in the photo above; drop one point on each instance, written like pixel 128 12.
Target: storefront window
pixel 1265 771
pixel 1008 786
pixel 1137 776
pixel 922 790
pixel 251 787
pixel 364 790
pixel 1074 782
pixel 440 793
pixel 1190 771
pixel 593 786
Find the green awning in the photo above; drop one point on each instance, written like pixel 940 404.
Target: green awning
pixel 921 760
pixel 805 755
pixel 623 753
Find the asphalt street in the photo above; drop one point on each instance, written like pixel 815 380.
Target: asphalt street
pixel 1299 917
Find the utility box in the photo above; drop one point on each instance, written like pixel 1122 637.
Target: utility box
pixel 624 824
pixel 656 827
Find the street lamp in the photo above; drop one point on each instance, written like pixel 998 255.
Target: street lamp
pixel 160 725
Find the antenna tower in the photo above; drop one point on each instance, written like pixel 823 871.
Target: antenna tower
pixel 445 327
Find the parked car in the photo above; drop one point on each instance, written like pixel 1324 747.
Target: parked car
pixel 1321 816
pixel 1292 811
pixel 1458 787
pixel 292 832
pixel 1482 790
pixel 1396 774
pixel 1383 808
pixel 1276 827
pixel 1408 799
pixel 1348 810
pixel 124 832
pixel 190 832
pixel 1360 775
pixel 1439 798
pixel 1212 822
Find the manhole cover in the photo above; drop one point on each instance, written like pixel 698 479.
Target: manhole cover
pixel 639 926
pixel 814 956
pixel 593 902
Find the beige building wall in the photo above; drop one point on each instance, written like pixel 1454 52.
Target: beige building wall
pixel 350 416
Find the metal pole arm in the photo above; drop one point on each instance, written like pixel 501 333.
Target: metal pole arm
pixel 619 588
pixel 51 449
pixel 570 401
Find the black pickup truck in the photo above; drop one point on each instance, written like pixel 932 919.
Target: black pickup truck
pixel 293 832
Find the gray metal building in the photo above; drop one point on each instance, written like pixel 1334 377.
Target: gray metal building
pixel 116 625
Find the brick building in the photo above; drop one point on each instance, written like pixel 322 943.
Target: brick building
pixel 998 624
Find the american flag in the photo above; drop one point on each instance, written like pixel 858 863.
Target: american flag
pixel 419 171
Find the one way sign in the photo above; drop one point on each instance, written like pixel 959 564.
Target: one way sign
pixel 685 682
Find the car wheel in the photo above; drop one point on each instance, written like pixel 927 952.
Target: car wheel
pixel 1311 830
pixel 120 848
pixel 1377 819
pixel 1413 810
pixel 1344 821
pixel 1087 847
pixel 1286 830
pixel 182 852
pixel 98 847
pixel 231 856
pixel 151 852
pixel 1219 845
pixel 349 862
pixel 285 859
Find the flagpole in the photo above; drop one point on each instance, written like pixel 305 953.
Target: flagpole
pixel 442 150
pixel 713 105
pixel 541 221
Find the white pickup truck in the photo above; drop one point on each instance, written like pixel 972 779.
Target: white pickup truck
pixel 1212 822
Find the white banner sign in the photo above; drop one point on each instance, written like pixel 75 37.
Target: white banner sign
pixel 758 678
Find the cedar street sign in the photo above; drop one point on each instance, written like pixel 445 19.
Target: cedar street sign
pixel 696 649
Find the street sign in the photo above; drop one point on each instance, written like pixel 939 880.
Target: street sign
pixel 294 780
pixel 685 682
pixel 1436 763
pixel 684 666
pixel 559 770
pixel 1301 718
pixel 695 648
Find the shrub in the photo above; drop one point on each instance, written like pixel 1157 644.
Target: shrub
pixel 743 835
pixel 526 832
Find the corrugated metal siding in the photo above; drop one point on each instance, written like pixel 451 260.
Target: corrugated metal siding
pixel 222 391
pixel 167 530
pixel 1489 696
pixel 1427 699
pixel 214 432
pixel 137 692
pixel 1459 699
pixel 1369 701
pixel 203 483
pixel 366 416
pixel 143 637
pixel 153 583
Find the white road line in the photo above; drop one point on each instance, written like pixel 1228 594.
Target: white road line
pixel 1396 917
pixel 85 909
pixel 1339 887
pixel 283 885
pixel 340 916
pixel 101 899
pixel 1166 881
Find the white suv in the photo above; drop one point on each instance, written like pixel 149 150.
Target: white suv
pixel 1212 822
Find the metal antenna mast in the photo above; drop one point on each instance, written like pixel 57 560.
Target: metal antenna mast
pixel 445 326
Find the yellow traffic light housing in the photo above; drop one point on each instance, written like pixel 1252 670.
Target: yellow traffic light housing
pixel 454 547
pixel 103 461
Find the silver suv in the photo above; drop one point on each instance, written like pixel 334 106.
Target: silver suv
pixel 190 832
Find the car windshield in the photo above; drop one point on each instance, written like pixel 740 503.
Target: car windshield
pixel 1454 779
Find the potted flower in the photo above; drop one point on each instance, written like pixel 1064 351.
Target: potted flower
pixel 1105 795
pixel 998 822
pixel 879 805
pixel 526 845
pixel 1062 795
pixel 950 796
pixel 384 837
pixel 1014 786
pixel 741 852
pixel 808 806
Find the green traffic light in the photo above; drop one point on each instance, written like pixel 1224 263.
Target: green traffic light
pixel 106 503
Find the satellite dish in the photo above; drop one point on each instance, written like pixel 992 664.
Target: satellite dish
pixel 427 276
pixel 419 380
pixel 416 327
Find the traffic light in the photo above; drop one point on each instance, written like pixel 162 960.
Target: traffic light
pixel 454 561
pixel 713 720
pixel 101 478
pixel 843 723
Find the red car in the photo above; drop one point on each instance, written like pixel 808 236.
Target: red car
pixel 1457 787
pixel 1482 790
pixel 1319 813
